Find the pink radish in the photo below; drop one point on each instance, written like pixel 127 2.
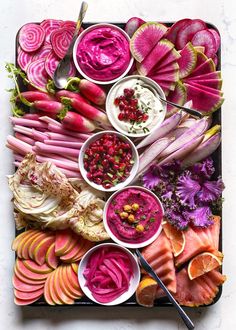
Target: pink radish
pixel 71 95
pixel 86 110
pixel 52 107
pixel 32 96
pixel 132 25
pixel 31 37
pixel 60 40
pixel 37 74
pixel 92 92
pixel 75 122
pixel 33 116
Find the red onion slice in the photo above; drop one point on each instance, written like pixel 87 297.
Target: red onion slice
pixel 37 74
pixel 24 59
pixel 60 40
pixel 42 52
pixel 50 25
pixel 31 37
pixel 51 64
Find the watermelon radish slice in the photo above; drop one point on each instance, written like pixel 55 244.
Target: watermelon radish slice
pixel 60 40
pixel 213 83
pixel 145 39
pixel 206 88
pixel 37 74
pixel 162 48
pixel 215 60
pixel 31 37
pixel 42 52
pixel 166 69
pixel 50 25
pixel 187 32
pixel 165 85
pixel 133 24
pixel 206 67
pixel 169 76
pixel 206 39
pixel 201 58
pixel 169 59
pixel 203 101
pixel 210 75
pixel 178 96
pixel 174 29
pixel 24 59
pixel 187 61
pixel 200 49
pixel 216 36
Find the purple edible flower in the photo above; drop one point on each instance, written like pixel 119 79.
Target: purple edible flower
pixel 187 189
pixel 201 217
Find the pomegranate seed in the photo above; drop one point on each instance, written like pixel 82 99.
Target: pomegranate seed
pixel 121 116
pixel 117 101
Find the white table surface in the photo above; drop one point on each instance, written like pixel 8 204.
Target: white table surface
pixel 222 13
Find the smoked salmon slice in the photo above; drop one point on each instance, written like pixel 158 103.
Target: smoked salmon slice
pixel 160 257
pixel 200 291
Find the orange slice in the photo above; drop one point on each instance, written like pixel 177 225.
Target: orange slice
pixel 146 292
pixel 204 263
pixel 176 237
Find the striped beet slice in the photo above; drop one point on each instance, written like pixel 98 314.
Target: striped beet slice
pixel 42 52
pixel 37 74
pixel 50 25
pixel 51 64
pixel 187 32
pixel 206 39
pixel 24 58
pixel 60 40
pixel 31 37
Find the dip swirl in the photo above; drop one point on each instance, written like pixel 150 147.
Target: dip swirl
pixel 103 53
pixel 142 208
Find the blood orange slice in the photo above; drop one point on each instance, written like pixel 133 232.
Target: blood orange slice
pixel 146 292
pixel 204 263
pixel 176 237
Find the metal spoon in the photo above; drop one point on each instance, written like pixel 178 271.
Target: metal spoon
pixel 192 112
pixel 189 324
pixel 61 73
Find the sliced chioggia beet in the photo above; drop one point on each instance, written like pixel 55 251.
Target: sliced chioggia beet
pixel 50 25
pixel 42 52
pixel 24 59
pixel 145 38
pixel 174 29
pixel 51 64
pixel 205 88
pixel 210 75
pixel 178 96
pixel 206 39
pixel 203 101
pixel 216 36
pixel 187 61
pixel 162 48
pixel 132 25
pixel 187 32
pixel 60 40
pixel 37 74
pixel 206 67
pixel 31 37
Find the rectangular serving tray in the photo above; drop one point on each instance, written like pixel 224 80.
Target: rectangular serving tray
pixel 217 158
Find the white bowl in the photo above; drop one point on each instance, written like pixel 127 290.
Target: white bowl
pixel 92 27
pixel 117 240
pixel 120 185
pixel 110 107
pixel 134 281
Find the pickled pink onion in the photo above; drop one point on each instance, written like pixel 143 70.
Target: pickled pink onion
pixel 108 273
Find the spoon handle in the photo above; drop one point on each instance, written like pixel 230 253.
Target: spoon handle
pixel 188 110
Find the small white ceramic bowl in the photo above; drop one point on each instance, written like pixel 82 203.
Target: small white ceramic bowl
pixel 133 171
pixel 80 37
pixel 134 281
pixel 117 240
pixel 110 107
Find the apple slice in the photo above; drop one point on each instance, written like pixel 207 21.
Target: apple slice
pixel 63 238
pixel 35 268
pixel 25 279
pixel 63 297
pixel 36 242
pixel 71 282
pixel 24 241
pixel 28 295
pixel 47 291
pixel 39 253
pixel 24 250
pixel 73 242
pixel 28 273
pixel 51 259
pixel 18 238
pixel 24 287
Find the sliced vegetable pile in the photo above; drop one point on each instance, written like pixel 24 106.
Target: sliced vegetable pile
pixel 46 265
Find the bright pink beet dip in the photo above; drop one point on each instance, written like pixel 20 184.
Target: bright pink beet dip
pixel 149 215
pixel 103 53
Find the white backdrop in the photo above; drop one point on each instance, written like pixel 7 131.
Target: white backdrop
pixel 222 13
